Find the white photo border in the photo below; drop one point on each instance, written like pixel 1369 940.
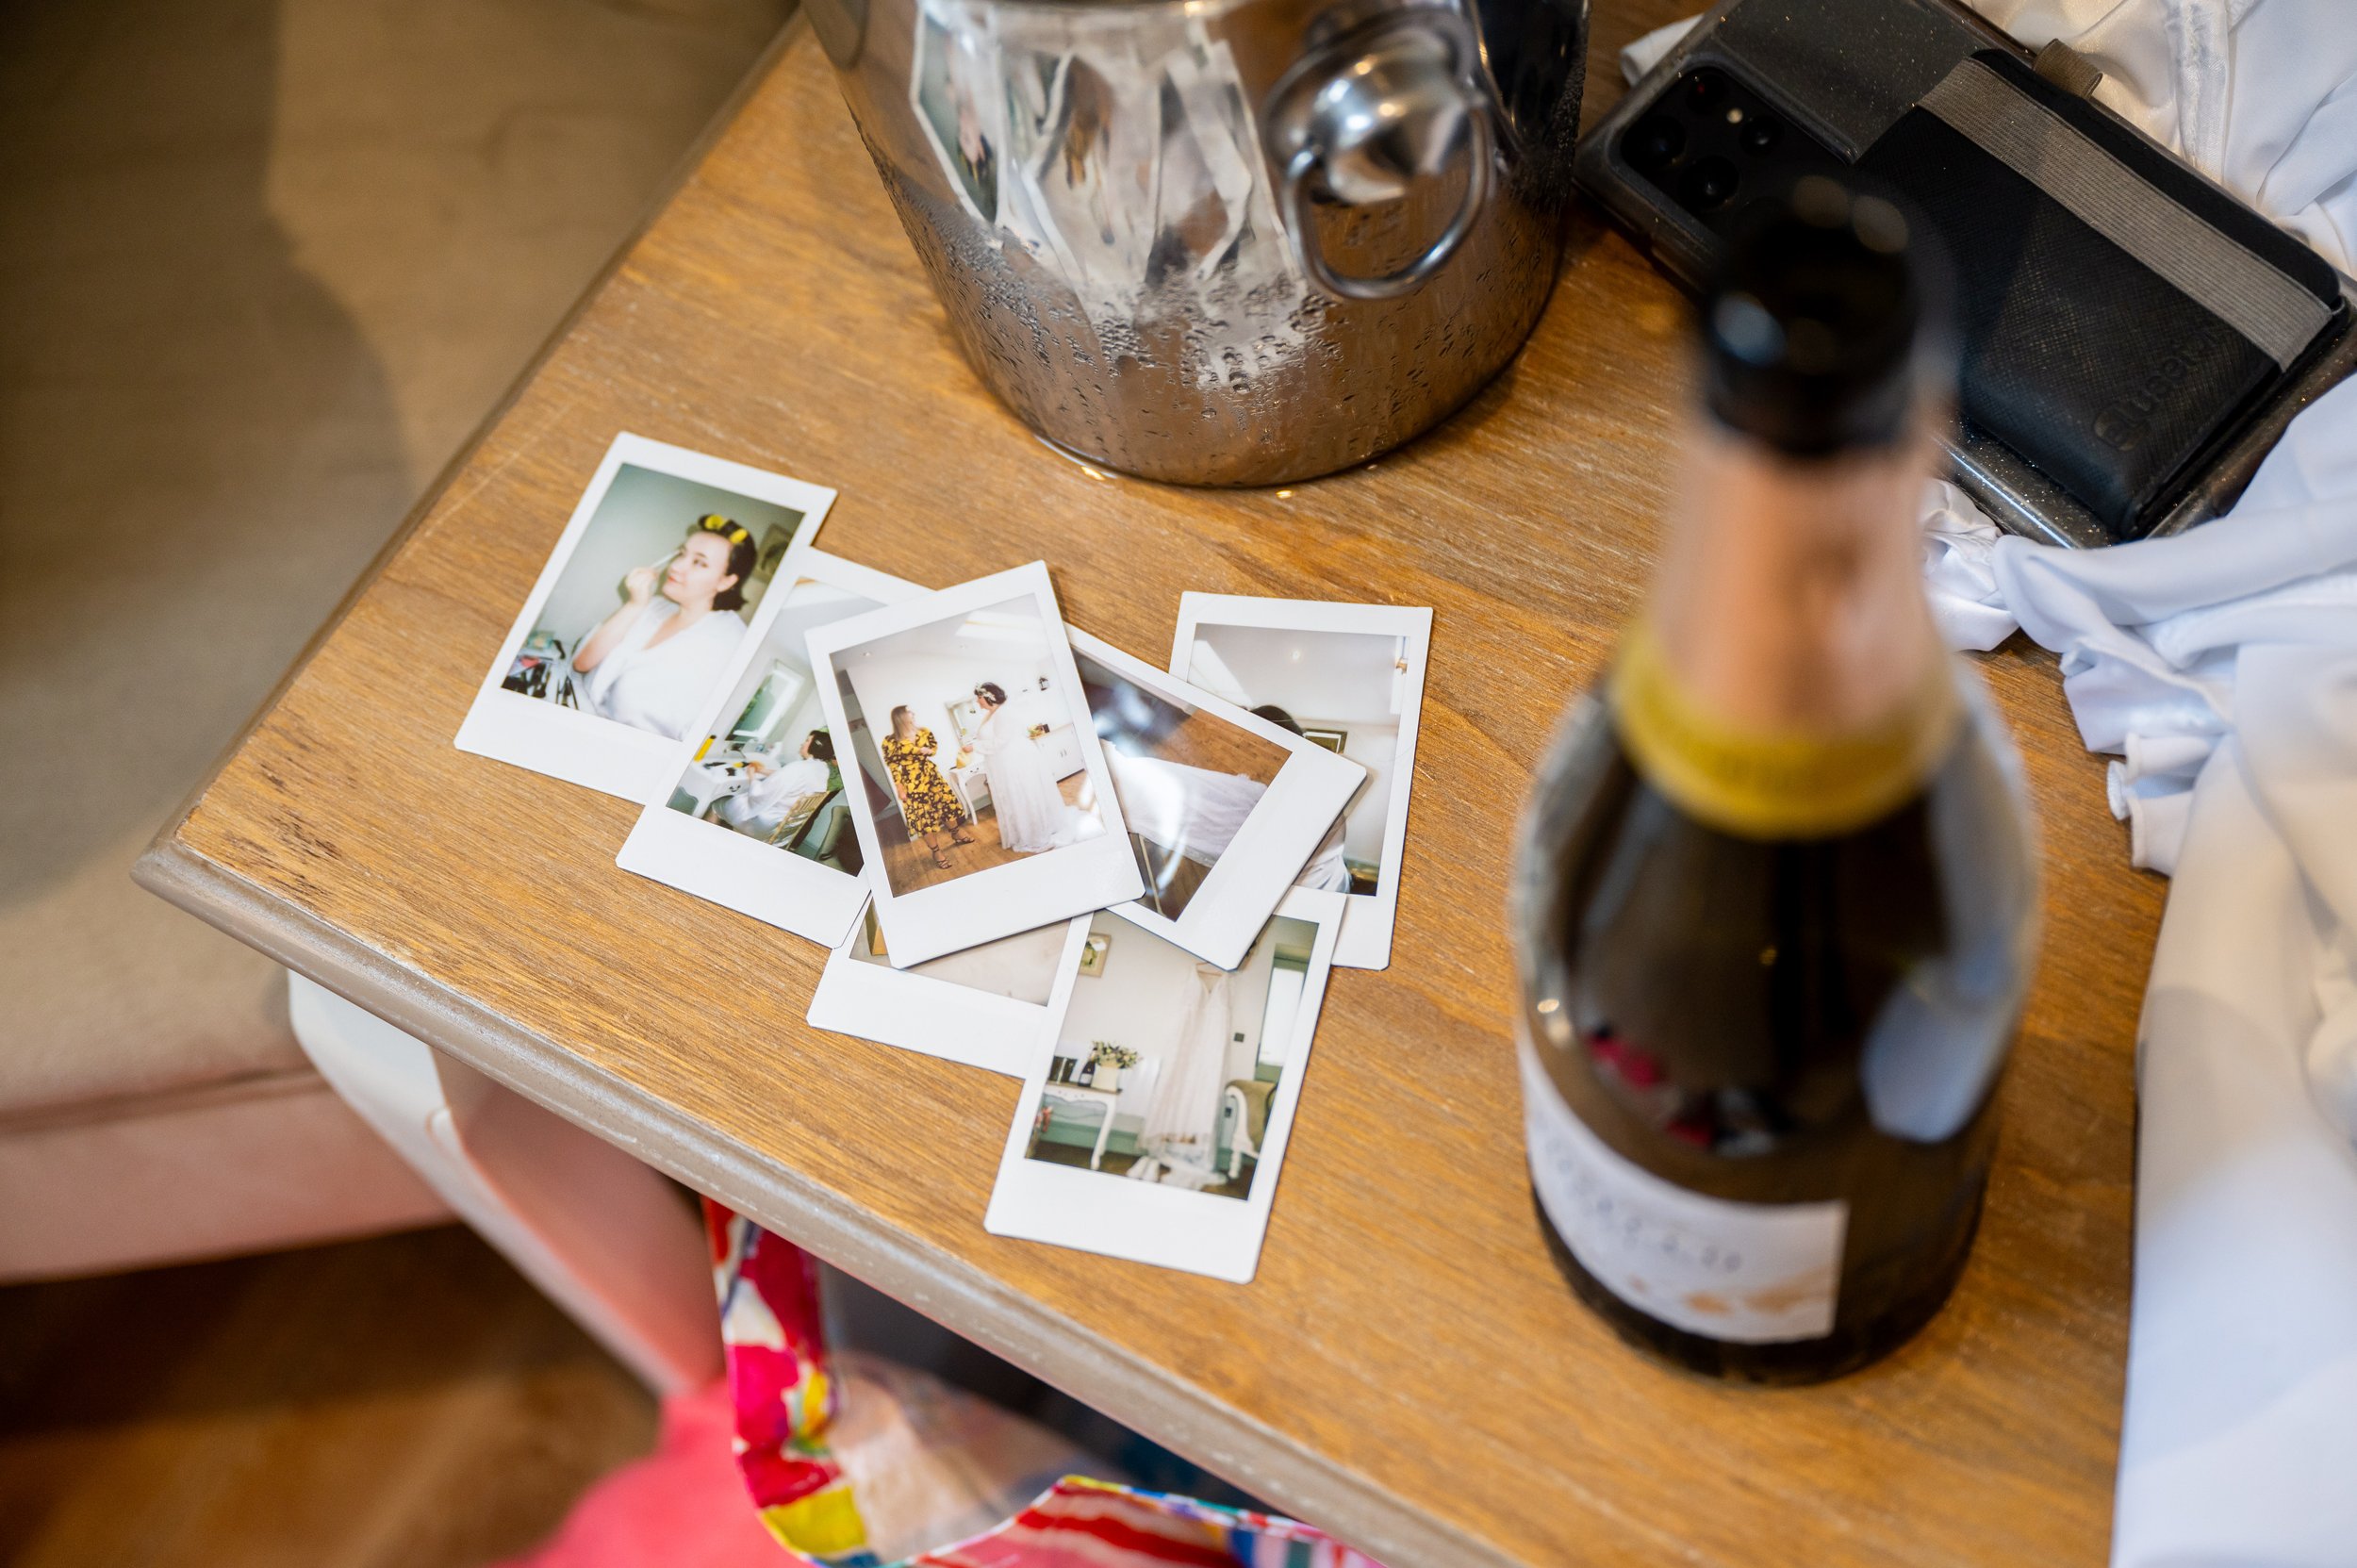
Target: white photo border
pixel 997 900
pixel 723 866
pixel 900 1007
pixel 1365 942
pixel 1236 898
pixel 581 748
pixel 1146 1222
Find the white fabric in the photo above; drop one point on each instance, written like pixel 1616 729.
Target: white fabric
pixel 764 803
pixel 1189 811
pixel 661 689
pixel 2239 1443
pixel 1961 569
pixel 1327 868
pixel 1183 1117
pixel 2221 666
pixel 2261 95
pixel 1032 815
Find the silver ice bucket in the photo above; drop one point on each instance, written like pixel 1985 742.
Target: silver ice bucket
pixel 1225 241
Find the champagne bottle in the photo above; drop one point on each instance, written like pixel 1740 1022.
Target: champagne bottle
pixel 1775 896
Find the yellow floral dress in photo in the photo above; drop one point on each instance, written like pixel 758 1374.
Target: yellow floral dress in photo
pixel 928 804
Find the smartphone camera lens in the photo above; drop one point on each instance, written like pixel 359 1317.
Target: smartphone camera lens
pixel 1654 144
pixel 1706 90
pixel 1708 183
pixel 1761 133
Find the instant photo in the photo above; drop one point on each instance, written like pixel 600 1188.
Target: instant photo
pixel 1154 1127
pixel 985 805
pixel 986 1007
pixel 1347 678
pixel 754 813
pixel 1223 808
pixel 657 582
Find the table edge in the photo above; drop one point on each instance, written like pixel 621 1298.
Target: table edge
pixel 944 1288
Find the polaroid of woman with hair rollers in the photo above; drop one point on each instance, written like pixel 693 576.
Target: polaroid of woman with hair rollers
pixel 657 582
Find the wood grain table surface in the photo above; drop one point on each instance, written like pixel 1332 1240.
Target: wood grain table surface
pixel 1408 1369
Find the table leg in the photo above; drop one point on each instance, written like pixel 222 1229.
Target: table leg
pixel 1104 1133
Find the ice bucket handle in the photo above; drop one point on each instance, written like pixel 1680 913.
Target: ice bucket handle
pixel 1366 115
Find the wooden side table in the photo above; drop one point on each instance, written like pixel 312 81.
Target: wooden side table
pixel 972 785
pixel 1408 1369
pixel 1089 1094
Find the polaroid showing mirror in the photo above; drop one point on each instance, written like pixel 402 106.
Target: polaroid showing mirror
pixel 753 813
pixel 1154 1126
pixel 988 1007
pixel 971 835
pixel 1348 678
pixel 1223 808
pixel 660 577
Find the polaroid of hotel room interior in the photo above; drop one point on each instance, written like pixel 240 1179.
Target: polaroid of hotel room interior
pixel 641 608
pixel 753 814
pixel 1181 1060
pixel 988 1006
pixel 1222 809
pixel 958 779
pixel 1155 1115
pixel 1348 677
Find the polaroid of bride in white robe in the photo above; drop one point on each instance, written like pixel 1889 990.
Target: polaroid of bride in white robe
pixel 1223 808
pixel 987 1007
pixel 752 812
pixel 1349 678
pixel 657 583
pixel 1154 1125
pixel 983 806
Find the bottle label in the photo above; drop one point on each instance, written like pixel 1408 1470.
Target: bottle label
pixel 1767 783
pixel 1745 1273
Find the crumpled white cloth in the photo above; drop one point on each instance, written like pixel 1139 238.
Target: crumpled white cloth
pixel 2261 95
pixel 2220 667
pixel 2151 633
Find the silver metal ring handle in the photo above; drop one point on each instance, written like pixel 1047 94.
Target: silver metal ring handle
pixel 1300 223
pixel 1367 116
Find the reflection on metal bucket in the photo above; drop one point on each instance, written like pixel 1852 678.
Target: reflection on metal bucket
pixel 1224 241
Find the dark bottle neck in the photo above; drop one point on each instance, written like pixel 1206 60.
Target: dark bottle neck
pixel 1788 679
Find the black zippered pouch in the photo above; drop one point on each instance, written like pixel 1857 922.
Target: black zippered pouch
pixel 2134 337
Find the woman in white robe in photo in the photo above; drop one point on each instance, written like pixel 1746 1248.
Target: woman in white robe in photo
pixel 1326 868
pixel 1031 810
pixel 652 663
pixel 763 805
pixel 1187 810
pixel 1178 1143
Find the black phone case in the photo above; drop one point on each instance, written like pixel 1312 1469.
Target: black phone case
pixel 2135 339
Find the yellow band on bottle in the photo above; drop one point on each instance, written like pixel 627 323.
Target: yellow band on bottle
pixel 1774 784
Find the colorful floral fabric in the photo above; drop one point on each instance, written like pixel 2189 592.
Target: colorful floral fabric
pixel 928 804
pixel 783 1393
pixel 785 1398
